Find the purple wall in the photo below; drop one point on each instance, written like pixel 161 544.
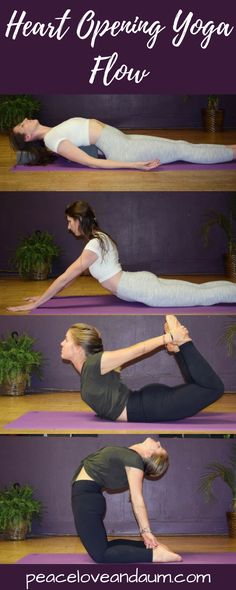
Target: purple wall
pixel 133 110
pixel 119 331
pixel 175 504
pixel 160 232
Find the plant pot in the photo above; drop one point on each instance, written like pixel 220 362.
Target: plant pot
pixel 213 120
pixel 17 532
pixel 16 387
pixel 231 519
pixel 230 266
pixel 40 272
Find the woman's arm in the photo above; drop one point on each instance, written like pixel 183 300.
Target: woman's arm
pixel 75 154
pixel 135 479
pixel 112 359
pixel 74 270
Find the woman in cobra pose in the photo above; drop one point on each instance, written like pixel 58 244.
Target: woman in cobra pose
pixel 102 388
pixel 100 255
pixel 121 150
pixel 117 469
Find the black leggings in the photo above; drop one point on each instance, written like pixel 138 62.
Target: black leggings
pixel 89 508
pixel 158 403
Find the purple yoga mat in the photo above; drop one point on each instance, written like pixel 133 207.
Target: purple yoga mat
pixel 111 305
pixel 83 558
pixel 86 421
pixel 61 165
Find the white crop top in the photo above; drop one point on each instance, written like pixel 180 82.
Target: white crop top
pixel 75 130
pixel 107 263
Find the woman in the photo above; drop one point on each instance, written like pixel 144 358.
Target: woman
pixel 100 255
pixel 140 152
pixel 103 390
pixel 117 469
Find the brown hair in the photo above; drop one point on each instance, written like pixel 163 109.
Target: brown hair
pixel 156 466
pixel 88 337
pixel 38 154
pixel 86 215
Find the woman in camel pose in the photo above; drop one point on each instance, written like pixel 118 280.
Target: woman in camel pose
pixel 117 469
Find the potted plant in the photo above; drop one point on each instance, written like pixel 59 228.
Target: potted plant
pixel 14 108
pixel 18 507
pixel 228 224
pixel 18 360
pixel 228 338
pixel 34 255
pixel 228 475
pixel 212 115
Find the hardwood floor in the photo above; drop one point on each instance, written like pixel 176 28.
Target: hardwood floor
pixel 14 290
pixel 116 180
pixel 14 407
pixel 12 551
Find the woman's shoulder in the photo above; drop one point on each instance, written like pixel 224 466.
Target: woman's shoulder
pixel 133 459
pixel 94 245
pixel 92 362
pixel 96 241
pixel 58 132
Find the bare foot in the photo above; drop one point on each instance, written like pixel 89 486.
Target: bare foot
pixel 170 346
pixel 173 322
pixel 175 328
pixel 162 555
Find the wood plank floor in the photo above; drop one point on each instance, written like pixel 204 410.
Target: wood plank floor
pixel 116 180
pixel 12 551
pixel 14 407
pixel 14 289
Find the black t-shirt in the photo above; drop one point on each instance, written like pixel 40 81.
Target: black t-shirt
pixel 105 394
pixel 107 466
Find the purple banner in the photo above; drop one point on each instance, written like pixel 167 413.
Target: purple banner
pixel 32 577
pixel 180 46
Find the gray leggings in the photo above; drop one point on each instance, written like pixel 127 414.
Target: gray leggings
pixel 121 147
pixel 145 287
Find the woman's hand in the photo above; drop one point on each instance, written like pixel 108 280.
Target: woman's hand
pixel 74 270
pixel 31 299
pixel 28 307
pixel 180 335
pixel 149 540
pixel 151 165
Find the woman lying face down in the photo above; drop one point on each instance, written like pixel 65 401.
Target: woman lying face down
pixel 100 255
pixel 104 391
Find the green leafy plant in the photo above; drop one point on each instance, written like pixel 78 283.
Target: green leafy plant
pixel 225 472
pixel 18 357
pixel 18 504
pixel 226 222
pixel 213 102
pixel 34 251
pixel 14 108
pixel 228 338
